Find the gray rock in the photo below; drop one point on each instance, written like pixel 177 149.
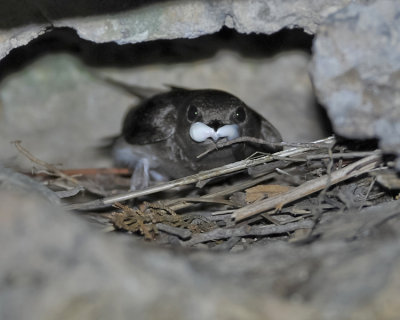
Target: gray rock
pixel 356 71
pixel 348 273
pixel 263 16
pixel 17 37
pixel 53 266
pixel 138 21
pixel 11 180
pixel 53 106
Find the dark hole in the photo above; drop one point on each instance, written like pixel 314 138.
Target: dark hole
pixel 112 54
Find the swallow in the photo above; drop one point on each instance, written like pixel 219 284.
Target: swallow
pixel 163 135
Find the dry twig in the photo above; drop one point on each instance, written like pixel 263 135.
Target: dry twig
pixel 343 155
pixel 224 144
pixel 322 194
pixel 51 168
pixel 309 187
pixel 181 233
pixel 246 230
pixel 178 205
pixel 95 171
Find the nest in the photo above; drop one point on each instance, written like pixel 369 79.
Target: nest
pixel 267 196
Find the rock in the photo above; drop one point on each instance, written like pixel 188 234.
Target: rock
pixel 15 181
pixel 346 274
pixel 54 266
pixel 356 71
pixel 134 21
pixel 57 101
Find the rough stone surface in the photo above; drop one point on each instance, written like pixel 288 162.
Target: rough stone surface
pixel 54 266
pixel 137 21
pixel 59 111
pixel 356 71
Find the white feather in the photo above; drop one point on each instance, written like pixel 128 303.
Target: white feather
pixel 200 132
pixel 230 131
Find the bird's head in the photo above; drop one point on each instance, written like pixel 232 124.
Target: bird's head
pixel 211 115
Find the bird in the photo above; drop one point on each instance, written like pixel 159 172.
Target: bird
pixel 165 132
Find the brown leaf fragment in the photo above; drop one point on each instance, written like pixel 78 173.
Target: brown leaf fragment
pixel 134 220
pixel 146 219
pixel 263 191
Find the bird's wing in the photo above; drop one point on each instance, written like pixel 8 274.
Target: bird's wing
pixel 135 90
pixel 151 121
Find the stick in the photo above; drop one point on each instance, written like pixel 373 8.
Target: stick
pixel 246 230
pixel 344 155
pixel 94 171
pixel 247 184
pixel 211 199
pixel 88 172
pixel 220 145
pixel 309 187
pixel 44 164
pixel 184 234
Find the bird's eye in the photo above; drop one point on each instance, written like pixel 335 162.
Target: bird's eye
pixel 240 114
pixel 193 113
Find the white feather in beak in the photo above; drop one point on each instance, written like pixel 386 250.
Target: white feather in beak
pixel 200 132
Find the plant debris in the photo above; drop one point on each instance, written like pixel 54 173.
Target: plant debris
pixel 278 196
pixel 262 191
pixel 150 217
